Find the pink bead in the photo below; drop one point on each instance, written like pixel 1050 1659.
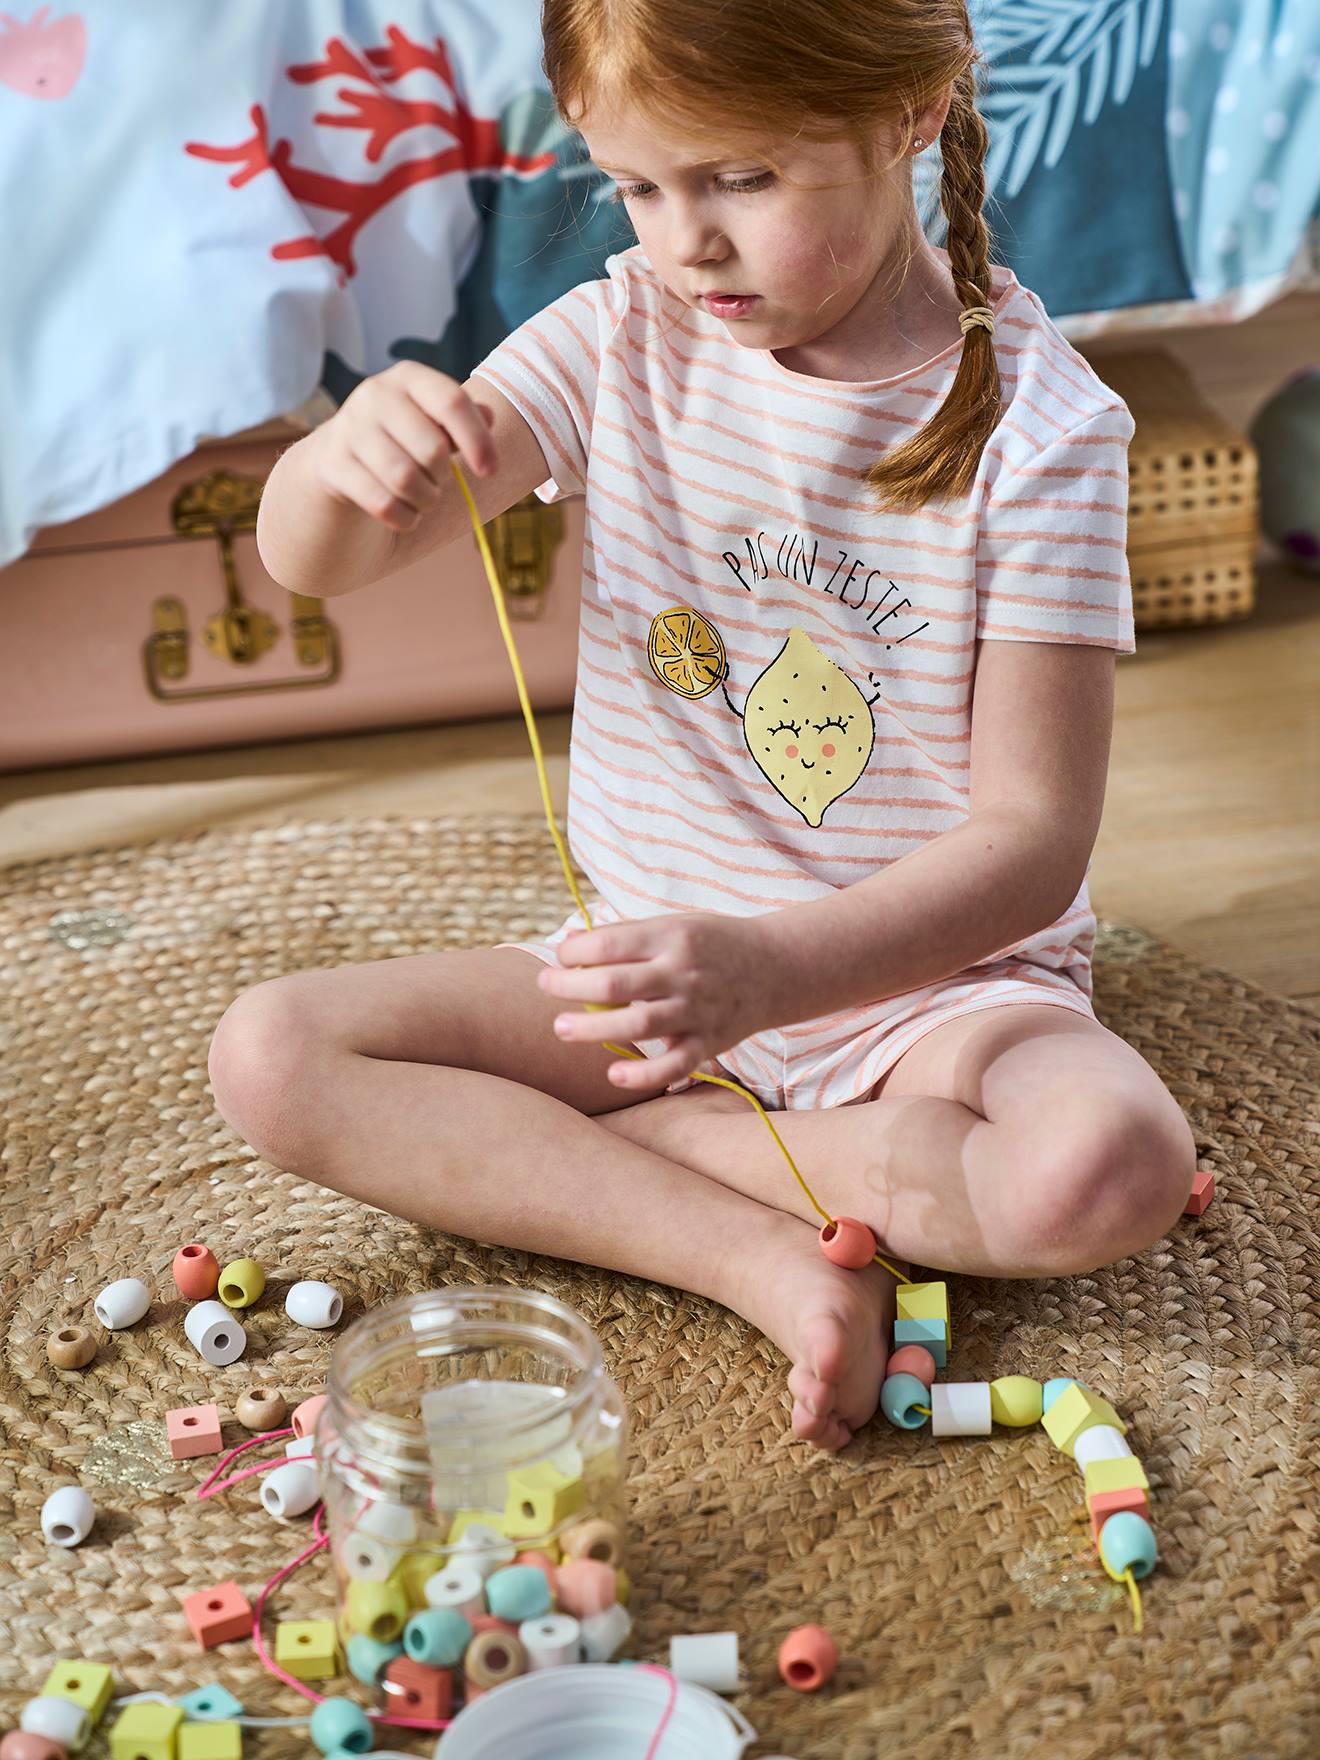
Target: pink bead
pixel 305 1416
pixel 543 1563
pixel 912 1359
pixel 26 1744
pixel 585 1586
pixel 197 1272
pixel 847 1242
pixel 807 1658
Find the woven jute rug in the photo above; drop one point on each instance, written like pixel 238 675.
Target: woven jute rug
pixel 971 1613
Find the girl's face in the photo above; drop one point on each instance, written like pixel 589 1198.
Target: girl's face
pixel 822 262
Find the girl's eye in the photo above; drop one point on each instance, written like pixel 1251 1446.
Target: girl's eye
pixel 785 727
pixel 640 192
pixel 830 721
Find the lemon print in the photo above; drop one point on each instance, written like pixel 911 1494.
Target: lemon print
pixel 686 651
pixel 808 727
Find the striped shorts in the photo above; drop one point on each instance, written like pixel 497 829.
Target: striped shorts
pixel 837 1058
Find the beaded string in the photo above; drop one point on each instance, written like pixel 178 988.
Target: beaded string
pixel 497 593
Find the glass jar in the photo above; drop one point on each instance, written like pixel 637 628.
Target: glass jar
pixel 472 1458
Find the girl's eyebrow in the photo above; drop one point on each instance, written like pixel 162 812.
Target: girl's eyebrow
pixel 698 165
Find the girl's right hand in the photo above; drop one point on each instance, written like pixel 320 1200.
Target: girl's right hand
pixel 386 450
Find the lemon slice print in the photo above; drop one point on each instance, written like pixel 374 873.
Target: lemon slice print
pixel 808 726
pixel 686 651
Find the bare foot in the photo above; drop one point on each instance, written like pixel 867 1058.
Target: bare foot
pixel 834 1326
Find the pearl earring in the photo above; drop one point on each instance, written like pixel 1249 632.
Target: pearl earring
pixel 918 143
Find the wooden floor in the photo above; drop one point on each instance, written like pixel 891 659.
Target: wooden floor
pixel 1211 836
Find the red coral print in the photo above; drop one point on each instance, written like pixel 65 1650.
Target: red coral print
pixel 382 116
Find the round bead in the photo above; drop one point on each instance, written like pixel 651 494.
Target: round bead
pixel 1016 1400
pixel 67 1516
pixel 314 1304
pixel 584 1586
pixel 1053 1388
pixel 122 1303
pixel 519 1592
pixel 437 1637
pixel 493 1658
pixel 900 1395
pixel 305 1416
pixel 196 1272
pixel 551 1641
pixel 807 1658
pixel 214 1333
pixel 59 1720
pixel 341 1724
pixel 26 1744
pixel 1127 1543
pixel 597 1538
pixel 847 1242
pixel 72 1347
pixel 241 1282
pixel 912 1359
pixel 290 1490
pixel 259 1410
pixel 368 1659
pixel 378 1609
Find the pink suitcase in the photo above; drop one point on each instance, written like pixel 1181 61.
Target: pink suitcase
pixel 152 626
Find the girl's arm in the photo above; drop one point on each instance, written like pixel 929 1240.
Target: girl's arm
pixel 1042 715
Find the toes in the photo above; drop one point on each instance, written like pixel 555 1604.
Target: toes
pixel 809 1391
pixel 826 1342
pixel 828 1432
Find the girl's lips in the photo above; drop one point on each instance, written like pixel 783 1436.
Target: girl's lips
pixel 724 306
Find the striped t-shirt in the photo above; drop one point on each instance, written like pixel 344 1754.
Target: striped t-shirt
pixel 774 685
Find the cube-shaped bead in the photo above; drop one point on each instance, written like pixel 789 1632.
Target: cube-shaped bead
pixel 307 1648
pixel 1075 1410
pixel 146 1732
pixel 540 1498
pixel 924 1301
pixel 1119 1475
pixel 88 1684
pixel 193 1430
pixel 464 1518
pixel 929 1333
pixel 211 1741
pixel 419 1691
pixel 218 1615
pixel 1203 1189
pixel 214 1704
pixel 1103 1504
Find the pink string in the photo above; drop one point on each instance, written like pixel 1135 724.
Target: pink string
pixel 665 1675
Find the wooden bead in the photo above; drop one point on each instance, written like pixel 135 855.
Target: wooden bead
pixel 72 1347
pixel 1077 1409
pixel 193 1430
pixel 493 1658
pixel 309 1648
pixel 146 1732
pixel 931 1335
pixel 219 1615
pixel 241 1283
pixel 89 1684
pixel 808 1658
pixel 259 1410
pixel 847 1242
pixel 213 1740
pixel 196 1272
pixel 598 1538
pixel 414 1690
pixel 921 1301
pixel 912 1359
pixel 1103 1504
pixel 1115 1475
pixel 540 1499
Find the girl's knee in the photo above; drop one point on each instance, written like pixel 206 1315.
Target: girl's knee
pixel 261 1052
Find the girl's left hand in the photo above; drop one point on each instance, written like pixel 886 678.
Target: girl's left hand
pixel 695 979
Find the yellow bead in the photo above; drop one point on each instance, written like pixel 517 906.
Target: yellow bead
pixel 241 1283
pixel 308 1648
pixel 412 1571
pixel 378 1609
pixel 1075 1410
pixel 88 1684
pixel 463 1520
pixel 1016 1400
pixel 146 1732
pixel 622 1586
pixel 923 1301
pixel 540 1498
pixel 211 1741
pixel 1121 1475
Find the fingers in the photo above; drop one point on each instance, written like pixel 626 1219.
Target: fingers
pixel 654 1074
pixel 642 981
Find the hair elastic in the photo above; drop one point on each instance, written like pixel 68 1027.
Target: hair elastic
pixel 982 315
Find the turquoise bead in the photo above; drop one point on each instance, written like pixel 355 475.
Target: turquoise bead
pixel 899 1395
pixel 1052 1389
pixel 368 1658
pixel 339 1724
pixel 518 1592
pixel 928 1333
pixel 1127 1543
pixel 437 1636
pixel 210 1705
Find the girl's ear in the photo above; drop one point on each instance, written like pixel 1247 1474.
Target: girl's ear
pixel 932 119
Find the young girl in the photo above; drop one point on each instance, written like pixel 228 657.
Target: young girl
pixel 853 584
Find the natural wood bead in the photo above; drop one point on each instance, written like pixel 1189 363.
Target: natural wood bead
pixel 259 1410
pixel 72 1347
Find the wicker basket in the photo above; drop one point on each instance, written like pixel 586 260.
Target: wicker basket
pixel 1193 520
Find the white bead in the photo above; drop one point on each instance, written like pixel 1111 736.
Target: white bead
pixel 551 1641
pixel 122 1303
pixel 369 1560
pixel 314 1304
pixel 59 1720
pixel 299 1448
pixel 214 1333
pixel 706 1659
pixel 960 1408
pixel 487 1549
pixel 388 1521
pixel 1101 1442
pixel 290 1490
pixel 67 1516
pixel 604 1634
pixel 460 1585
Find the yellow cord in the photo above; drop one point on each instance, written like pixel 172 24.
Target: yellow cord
pixel 497 593
pixel 1135 1593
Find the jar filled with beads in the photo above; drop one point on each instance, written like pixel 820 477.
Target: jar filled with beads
pixel 471 1453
